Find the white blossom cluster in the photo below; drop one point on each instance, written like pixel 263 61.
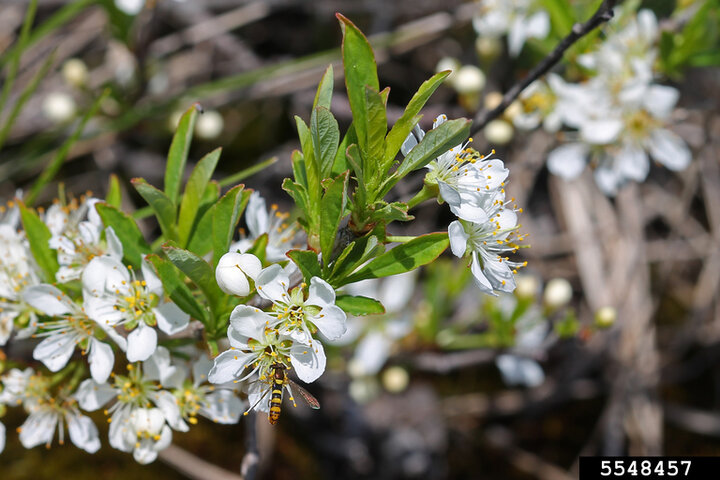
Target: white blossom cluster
pixel 617 117
pixel 102 308
pixel 518 19
pixel 486 230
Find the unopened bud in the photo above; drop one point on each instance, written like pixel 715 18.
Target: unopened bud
pixel 131 7
pixel 448 63
pixel 493 99
pixel 209 125
pixel 395 379
pixel 526 287
pixel 233 270
pixel 558 293
pixel 469 79
pixel 513 110
pixel 498 132
pixel 488 48
pixel 58 107
pixel 75 72
pixel 605 317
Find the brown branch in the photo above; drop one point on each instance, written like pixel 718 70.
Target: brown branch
pixel 251 459
pixel 579 30
pixel 194 467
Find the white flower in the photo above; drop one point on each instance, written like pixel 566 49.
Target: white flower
pixel 76 241
pixel 113 296
pixel 15 384
pixel 194 396
pixel 138 400
pixel 297 315
pixel 17 272
pixel 467 181
pixel 281 235
pixel 233 270
pixel 517 366
pixel 131 7
pixel 378 333
pixel 498 132
pixel 49 412
pixel 485 244
pixel 519 19
pixel 256 345
pixel 69 328
pixel 2 437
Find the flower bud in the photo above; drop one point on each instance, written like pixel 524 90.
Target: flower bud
pixel 558 293
pixel 498 132
pixel 58 107
pixel 75 72
pixel 493 99
pixel 605 317
pixel 395 379
pixel 526 287
pixel 448 63
pixel 209 125
pixel 488 48
pixel 233 270
pixel 469 79
pixel 513 110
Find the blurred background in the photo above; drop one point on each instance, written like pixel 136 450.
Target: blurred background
pixel 611 343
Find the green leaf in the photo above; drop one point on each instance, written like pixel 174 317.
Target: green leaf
pixel 225 219
pixel 359 305
pixel 201 274
pixel 194 191
pixel 561 16
pixel 376 130
pixel 331 212
pixel 323 96
pixel 127 231
pixel 38 235
pixel 403 258
pixel 436 142
pixel 259 247
pixel 297 192
pixel 177 156
pixel 201 241
pixel 307 261
pixel 340 164
pixel 355 254
pixel 114 194
pixel 360 71
pixel 354 159
pixel 410 118
pixel 177 290
pixel 162 206
pixel 325 139
pixel 312 173
pixel 299 170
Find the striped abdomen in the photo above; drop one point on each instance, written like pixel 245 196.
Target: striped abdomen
pixel 276 398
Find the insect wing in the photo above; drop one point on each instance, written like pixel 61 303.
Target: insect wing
pixel 297 390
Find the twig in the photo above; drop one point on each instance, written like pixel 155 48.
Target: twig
pixel 251 459
pixel 193 467
pixel 603 14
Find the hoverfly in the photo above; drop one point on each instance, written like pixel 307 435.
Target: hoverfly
pixel 279 381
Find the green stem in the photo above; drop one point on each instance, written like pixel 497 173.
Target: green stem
pixel 425 193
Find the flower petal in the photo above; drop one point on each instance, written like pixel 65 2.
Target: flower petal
pixel 142 342
pixel 92 395
pixel 669 149
pixel 568 161
pixel 170 318
pixel 330 322
pixel 55 351
pixel 101 359
pixel 223 406
pixel 458 238
pixel 83 432
pixel 308 360
pixel 48 300
pixel 229 365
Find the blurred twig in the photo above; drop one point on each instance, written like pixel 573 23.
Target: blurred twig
pixel 194 467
